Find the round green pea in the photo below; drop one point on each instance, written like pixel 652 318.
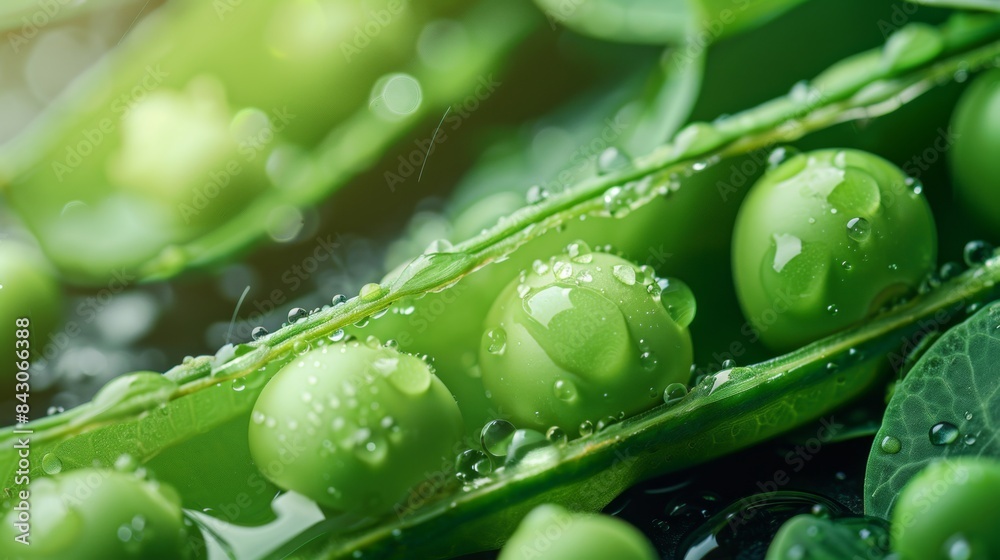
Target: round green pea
pixel 974 162
pixel 97 514
pixel 949 510
pixel 354 426
pixel 553 533
pixel 826 239
pixel 584 337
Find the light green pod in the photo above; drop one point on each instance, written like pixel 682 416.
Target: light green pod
pixel 96 514
pixel 584 337
pixel 949 510
pixel 826 239
pixel 354 426
pixel 551 532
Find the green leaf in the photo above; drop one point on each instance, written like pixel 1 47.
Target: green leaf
pixel 953 390
pixel 808 537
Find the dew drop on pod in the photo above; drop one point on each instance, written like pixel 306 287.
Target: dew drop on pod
pixel 826 239
pixel 553 533
pixel 97 514
pixel 354 426
pixel 582 337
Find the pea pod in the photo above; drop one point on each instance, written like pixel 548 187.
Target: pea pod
pixel 186 156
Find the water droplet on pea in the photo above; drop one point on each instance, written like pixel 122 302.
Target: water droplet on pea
pixel 943 433
pixel 832 309
pixel 890 445
pixel 847 266
pixel 497 341
pixel 564 390
pixel 649 362
pixel 859 229
pixel 496 436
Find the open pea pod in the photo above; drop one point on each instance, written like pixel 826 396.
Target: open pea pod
pixel 661 22
pixel 729 410
pixel 218 123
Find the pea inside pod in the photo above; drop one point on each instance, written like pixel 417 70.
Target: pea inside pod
pixel 354 426
pixel 97 514
pixel 826 239
pixel 583 338
pixel 553 533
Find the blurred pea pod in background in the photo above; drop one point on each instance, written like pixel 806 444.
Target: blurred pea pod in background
pixel 215 123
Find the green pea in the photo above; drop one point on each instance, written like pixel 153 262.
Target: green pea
pixel 585 336
pixel 553 533
pixel 974 162
pixel 826 239
pixel 98 514
pixel 354 426
pixel 949 510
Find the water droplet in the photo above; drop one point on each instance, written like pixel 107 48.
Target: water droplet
pixel 728 364
pixel 562 269
pixel 624 273
pixel 586 428
pixel 603 423
pixel 958 548
pixel 371 292
pixel 612 159
pixel 126 463
pixel 539 267
pixel 556 435
pixel 564 390
pixel 968 415
pixel 472 464
pixel 579 252
pixel 943 433
pixel 847 266
pixel 678 299
pixel 258 333
pixel 977 252
pixel 522 443
pixel 674 393
pixel 51 464
pixel 495 437
pixel 536 194
pixel 497 340
pixel 54 410
pixel 648 362
pixel 339 299
pixel 300 347
pixel 890 445
pixel 859 229
pixel 239 385
pixel 970 439
pixel 832 309
pixel 297 314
